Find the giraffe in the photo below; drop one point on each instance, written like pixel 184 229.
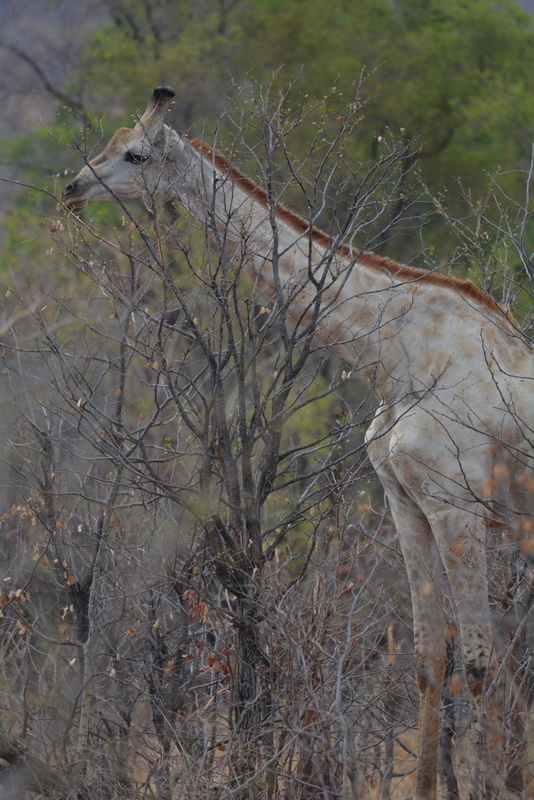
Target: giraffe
pixel 453 375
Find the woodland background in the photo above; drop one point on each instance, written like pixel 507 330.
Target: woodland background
pixel 151 646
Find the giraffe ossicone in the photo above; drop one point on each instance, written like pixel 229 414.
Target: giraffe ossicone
pixel 454 376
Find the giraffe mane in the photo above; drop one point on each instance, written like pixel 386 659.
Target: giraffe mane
pixel 367 259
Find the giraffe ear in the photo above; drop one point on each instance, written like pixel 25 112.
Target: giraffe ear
pixel 152 120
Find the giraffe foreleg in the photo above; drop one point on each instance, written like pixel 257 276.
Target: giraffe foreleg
pixel 461 540
pixel 424 569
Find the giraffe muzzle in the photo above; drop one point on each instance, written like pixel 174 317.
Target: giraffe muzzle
pixel 70 199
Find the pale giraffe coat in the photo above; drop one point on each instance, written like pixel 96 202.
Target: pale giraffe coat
pixel 455 378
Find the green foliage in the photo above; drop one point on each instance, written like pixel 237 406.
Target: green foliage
pixel 456 75
pixel 187 50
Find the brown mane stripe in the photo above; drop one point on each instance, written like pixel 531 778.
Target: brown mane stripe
pixel 367 259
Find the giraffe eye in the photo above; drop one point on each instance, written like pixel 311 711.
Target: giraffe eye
pixel 135 158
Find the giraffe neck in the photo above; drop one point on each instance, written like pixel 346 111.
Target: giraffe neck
pixel 394 323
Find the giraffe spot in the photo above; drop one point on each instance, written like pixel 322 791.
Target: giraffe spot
pixel 476 672
pixel 501 472
pixel 421 680
pixel 458 549
pixel 475 677
pixel 455 685
pixel 425 589
pixel 527 481
pixel 489 487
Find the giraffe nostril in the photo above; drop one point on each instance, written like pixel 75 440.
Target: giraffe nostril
pixel 69 188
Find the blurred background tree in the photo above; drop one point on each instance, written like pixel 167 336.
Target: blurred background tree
pixel 456 77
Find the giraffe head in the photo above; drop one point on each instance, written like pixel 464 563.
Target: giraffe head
pixel 129 165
